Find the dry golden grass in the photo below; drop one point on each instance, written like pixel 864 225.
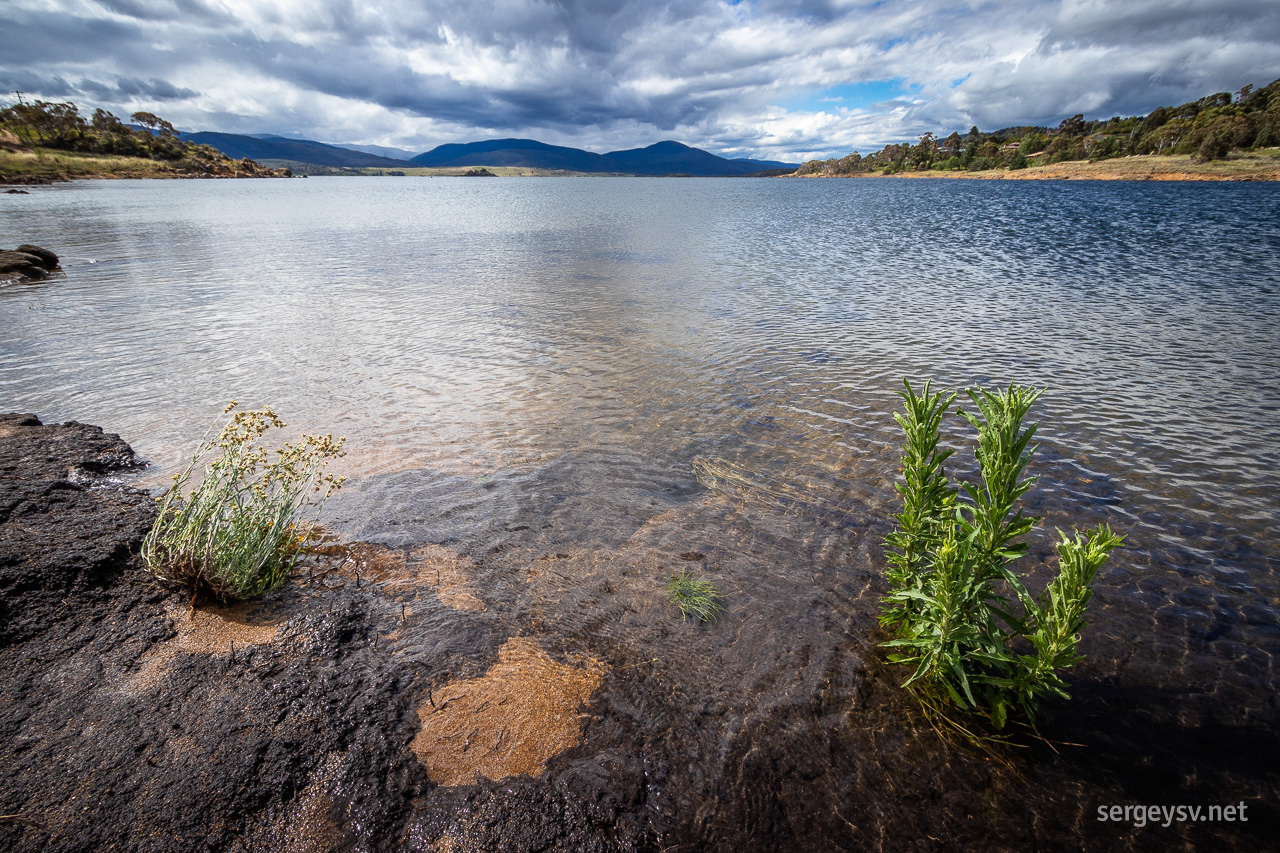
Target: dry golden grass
pixel 64 165
pixel 43 165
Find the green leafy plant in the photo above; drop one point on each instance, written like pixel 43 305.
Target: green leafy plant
pixel 694 596
pixel 975 638
pixel 239 532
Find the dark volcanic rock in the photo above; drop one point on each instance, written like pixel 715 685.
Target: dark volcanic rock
pixel 22 265
pixel 114 737
pixel 285 728
pixel 27 261
pixel 58 535
pixel 47 258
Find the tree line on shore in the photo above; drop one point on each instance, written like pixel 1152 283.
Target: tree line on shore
pixel 1208 129
pixel 60 127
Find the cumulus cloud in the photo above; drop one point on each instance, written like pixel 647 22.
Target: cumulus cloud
pixel 763 78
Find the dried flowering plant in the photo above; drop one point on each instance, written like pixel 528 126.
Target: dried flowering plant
pixel 239 532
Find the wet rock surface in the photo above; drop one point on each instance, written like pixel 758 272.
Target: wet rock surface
pixel 59 536
pixel 129 722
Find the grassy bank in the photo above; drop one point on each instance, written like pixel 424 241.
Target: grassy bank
pixel 45 165
pixel 1260 165
pixel 43 142
pixel 42 166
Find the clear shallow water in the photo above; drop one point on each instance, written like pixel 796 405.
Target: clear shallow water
pixel 526 368
pixel 498 325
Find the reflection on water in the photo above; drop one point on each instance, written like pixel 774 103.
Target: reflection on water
pixel 527 372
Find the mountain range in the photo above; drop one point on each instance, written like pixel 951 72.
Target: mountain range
pixel 304 151
pixel 662 158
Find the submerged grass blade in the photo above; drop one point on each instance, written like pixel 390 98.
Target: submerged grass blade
pixel 694 596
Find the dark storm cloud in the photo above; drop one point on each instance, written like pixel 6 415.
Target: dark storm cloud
pixel 1139 23
pixel 750 78
pixel 160 10
pixel 18 80
pixel 153 88
pixel 62 40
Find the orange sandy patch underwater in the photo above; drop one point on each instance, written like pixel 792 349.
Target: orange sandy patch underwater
pixel 508 722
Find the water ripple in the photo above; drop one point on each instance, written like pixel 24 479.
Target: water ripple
pixel 560 352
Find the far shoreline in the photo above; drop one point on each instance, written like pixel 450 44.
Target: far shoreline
pixel 1249 166
pixel 1261 165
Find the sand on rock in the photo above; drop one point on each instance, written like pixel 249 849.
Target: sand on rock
pixel 510 721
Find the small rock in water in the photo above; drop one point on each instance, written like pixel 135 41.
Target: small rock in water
pixel 49 259
pixel 27 262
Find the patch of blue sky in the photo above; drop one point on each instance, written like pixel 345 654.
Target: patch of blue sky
pixel 852 96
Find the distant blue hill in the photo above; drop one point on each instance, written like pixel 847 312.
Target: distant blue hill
pixel 298 150
pixel 515 152
pixel 380 150
pixel 674 158
pixel 662 158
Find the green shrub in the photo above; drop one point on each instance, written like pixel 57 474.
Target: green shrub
pixel 1215 146
pixel 975 638
pixel 241 530
pixel 694 596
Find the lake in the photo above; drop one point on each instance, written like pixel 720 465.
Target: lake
pixel 543 377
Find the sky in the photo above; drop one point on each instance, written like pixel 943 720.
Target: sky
pixel 767 79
